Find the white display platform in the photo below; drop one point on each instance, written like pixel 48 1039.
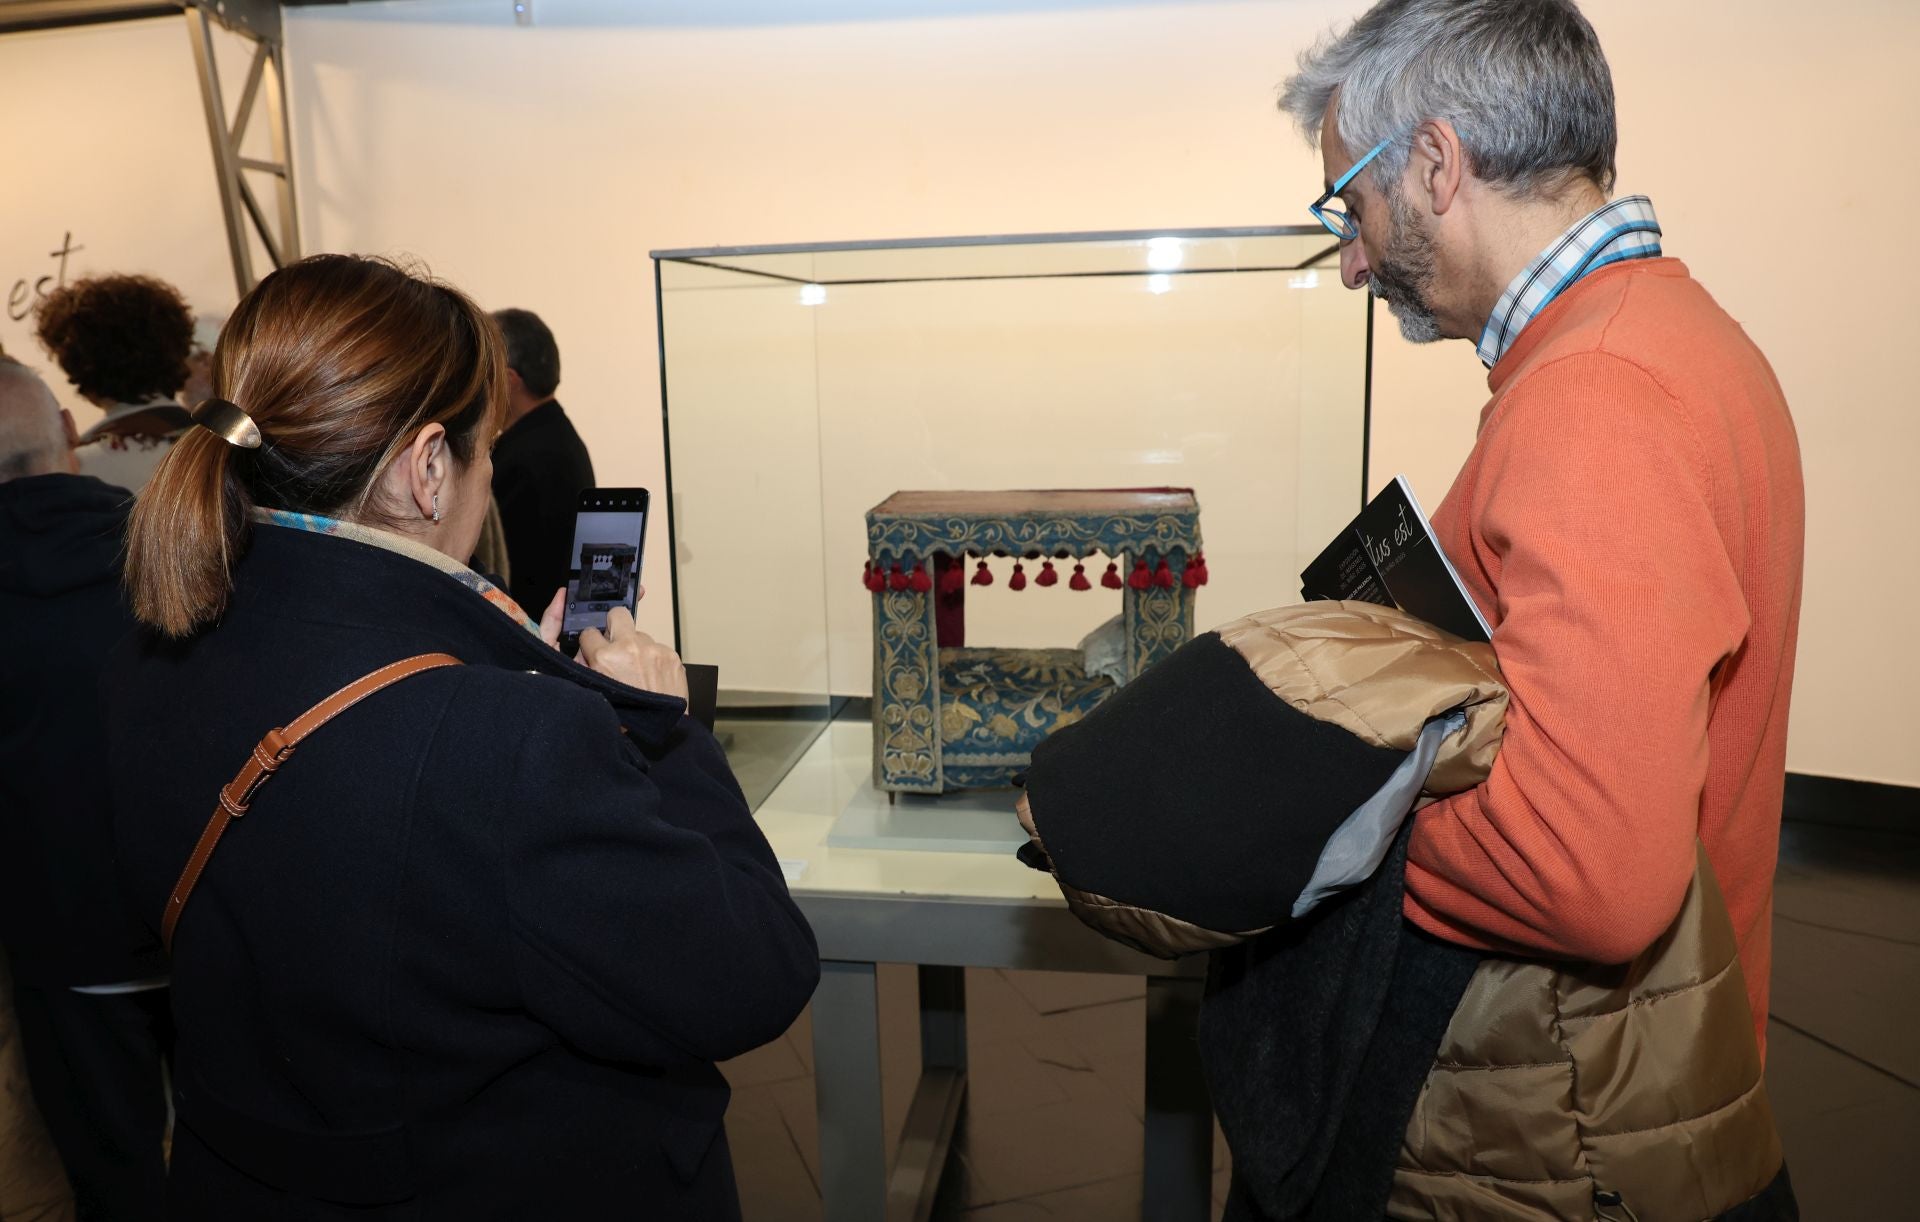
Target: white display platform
pixel 947 911
pixel 969 821
pixel 836 832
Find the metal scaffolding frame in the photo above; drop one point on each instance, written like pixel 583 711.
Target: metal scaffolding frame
pixel 261 26
pixel 258 21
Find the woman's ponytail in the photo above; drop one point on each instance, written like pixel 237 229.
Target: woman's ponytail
pixel 188 527
pixel 338 361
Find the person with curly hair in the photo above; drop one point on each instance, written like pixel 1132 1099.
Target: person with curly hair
pixel 123 341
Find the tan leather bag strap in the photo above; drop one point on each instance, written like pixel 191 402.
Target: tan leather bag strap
pixel 273 751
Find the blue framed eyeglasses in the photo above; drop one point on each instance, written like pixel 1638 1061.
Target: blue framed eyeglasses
pixel 1338 223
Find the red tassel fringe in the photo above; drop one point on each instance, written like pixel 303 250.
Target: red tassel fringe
pixel 878 578
pixel 1195 574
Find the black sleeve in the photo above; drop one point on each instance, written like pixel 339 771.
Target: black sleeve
pixel 649 920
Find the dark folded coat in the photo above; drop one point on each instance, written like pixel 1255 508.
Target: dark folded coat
pixel 1192 810
pixel 1249 796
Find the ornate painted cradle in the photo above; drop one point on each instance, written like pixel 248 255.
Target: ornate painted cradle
pixel 949 716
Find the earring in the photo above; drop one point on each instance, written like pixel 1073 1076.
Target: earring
pixel 436 506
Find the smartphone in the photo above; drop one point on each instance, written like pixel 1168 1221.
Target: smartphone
pixel 609 533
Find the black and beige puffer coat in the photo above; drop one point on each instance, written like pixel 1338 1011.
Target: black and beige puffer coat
pixel 1200 807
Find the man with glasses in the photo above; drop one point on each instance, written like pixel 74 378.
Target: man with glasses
pixel 1631 517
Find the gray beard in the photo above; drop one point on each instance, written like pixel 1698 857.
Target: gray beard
pixel 1404 274
pixel 1417 324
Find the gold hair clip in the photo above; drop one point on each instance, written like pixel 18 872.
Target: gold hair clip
pixel 228 422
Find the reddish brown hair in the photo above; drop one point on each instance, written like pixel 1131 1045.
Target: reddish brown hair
pixel 124 338
pixel 341 361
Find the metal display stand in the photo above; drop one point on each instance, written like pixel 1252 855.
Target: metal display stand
pixel 861 1181
pixel 945 912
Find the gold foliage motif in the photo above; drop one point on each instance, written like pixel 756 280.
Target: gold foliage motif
pixel 903 672
pixel 956 720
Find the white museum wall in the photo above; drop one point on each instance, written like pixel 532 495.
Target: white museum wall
pixel 538 166
pixel 747 490
pixel 107 155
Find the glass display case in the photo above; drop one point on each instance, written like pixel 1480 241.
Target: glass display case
pixel 805 386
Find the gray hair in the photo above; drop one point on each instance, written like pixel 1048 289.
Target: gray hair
pixel 1523 82
pixel 33 440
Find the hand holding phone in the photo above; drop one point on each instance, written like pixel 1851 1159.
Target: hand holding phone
pixel 662 671
pixel 609 534
pixel 632 657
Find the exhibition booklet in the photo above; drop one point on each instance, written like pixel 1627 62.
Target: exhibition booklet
pixel 1388 555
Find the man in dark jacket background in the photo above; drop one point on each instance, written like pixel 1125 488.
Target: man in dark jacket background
pixel 90 987
pixel 540 465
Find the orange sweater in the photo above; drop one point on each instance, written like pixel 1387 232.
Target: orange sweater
pixel 1631 522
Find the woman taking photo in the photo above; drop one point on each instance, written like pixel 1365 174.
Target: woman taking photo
pixel 472 948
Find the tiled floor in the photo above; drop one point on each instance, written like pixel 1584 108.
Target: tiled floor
pixel 1052 1128
pixel 1843 1049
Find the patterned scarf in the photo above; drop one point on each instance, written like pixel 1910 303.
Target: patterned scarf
pixel 388 541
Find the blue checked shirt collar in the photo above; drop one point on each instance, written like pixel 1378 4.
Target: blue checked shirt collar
pixel 1623 229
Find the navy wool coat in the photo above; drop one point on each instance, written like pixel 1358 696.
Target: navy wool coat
pixel 64 918
pixel 475 948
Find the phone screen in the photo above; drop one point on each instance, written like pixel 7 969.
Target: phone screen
pixel 603 572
